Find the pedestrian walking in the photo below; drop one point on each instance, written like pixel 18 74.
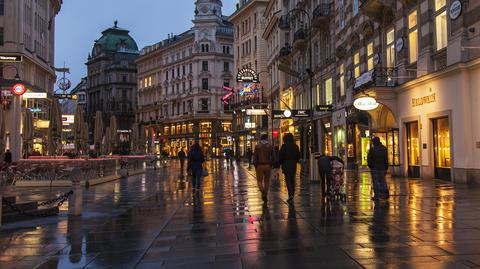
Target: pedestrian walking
pixel 325 171
pixel 181 156
pixel 276 163
pixel 262 160
pixel 378 163
pixel 249 157
pixel 195 165
pixel 8 157
pixel 288 158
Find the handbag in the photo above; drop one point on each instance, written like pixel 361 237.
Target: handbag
pixel 205 172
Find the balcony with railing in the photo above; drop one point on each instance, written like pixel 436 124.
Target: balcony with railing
pixel 285 54
pixel 321 15
pixel 378 77
pixel 381 11
pixel 300 39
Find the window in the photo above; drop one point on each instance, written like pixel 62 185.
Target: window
pixel 204 83
pixel 1 35
pixel 190 68
pixel 149 81
pixel 184 70
pixel 166 75
pixel 204 104
pixel 204 65
pixel 342 80
pixel 226 83
pixel 184 87
pixel 441 24
pixel 356 64
pixel 355 7
pixel 226 66
pixel 2 7
pixel 328 92
pixel 318 95
pixel 341 8
pixel 145 82
pixel 412 37
pixel 390 48
pixel 370 56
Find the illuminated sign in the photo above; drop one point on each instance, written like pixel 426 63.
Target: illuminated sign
pixel 124 131
pixel 19 89
pixel 324 108
pixel 35 109
pixel 282 114
pixel 35 95
pixel 250 125
pixel 247 75
pixel 65 96
pixel 365 103
pixel 301 113
pixel 256 112
pixel 66 130
pixel 42 124
pixel 68 119
pixel 228 95
pixel 249 89
pixel 423 100
pixel 10 58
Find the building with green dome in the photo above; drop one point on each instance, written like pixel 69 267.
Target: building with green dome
pixel 112 84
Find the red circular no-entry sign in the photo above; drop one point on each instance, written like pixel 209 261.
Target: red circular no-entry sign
pixel 19 89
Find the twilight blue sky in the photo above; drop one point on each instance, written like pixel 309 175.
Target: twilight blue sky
pixel 80 22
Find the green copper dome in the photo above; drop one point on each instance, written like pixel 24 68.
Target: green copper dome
pixel 115 39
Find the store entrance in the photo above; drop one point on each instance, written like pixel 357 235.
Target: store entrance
pixel 413 150
pixel 441 146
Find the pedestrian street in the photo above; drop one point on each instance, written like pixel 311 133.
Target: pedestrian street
pixel 154 220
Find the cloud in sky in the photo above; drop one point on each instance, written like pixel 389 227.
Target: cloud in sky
pixel 80 22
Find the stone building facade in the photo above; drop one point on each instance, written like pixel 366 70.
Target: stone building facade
pixel 418 60
pixel 181 83
pixel 112 80
pixel 27 32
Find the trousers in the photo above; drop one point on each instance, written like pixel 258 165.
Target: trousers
pixel 379 183
pixel 290 181
pixel 326 181
pixel 263 177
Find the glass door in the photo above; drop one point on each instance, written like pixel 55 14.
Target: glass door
pixel 442 154
pixel 413 149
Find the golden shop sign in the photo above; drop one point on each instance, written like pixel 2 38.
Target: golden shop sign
pixel 423 100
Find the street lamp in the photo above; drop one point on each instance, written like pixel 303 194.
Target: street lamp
pixel 285 25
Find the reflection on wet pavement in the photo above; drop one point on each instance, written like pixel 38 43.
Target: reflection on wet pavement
pixel 154 221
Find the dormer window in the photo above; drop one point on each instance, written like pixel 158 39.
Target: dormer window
pixel 204 47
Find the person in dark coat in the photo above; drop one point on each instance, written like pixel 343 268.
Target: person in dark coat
pixel 8 157
pixel 249 156
pixel 288 158
pixel 378 163
pixel 325 171
pixel 195 165
pixel 181 156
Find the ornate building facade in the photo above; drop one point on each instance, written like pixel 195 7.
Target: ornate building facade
pixel 27 47
pixel 112 80
pixel 181 83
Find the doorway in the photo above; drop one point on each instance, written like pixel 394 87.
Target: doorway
pixel 441 146
pixel 413 150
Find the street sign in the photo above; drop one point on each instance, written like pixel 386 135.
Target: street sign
pixel 19 89
pixel 65 96
pixel 10 58
pixel 324 108
pixel 301 113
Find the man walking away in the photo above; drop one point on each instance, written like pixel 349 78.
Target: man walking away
pixel 262 160
pixel 181 156
pixel 249 157
pixel 195 164
pixel 378 164
pixel 325 171
pixel 289 157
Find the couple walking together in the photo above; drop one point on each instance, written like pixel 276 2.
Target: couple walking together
pixel 265 157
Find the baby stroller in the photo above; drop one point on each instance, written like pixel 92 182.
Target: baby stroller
pixel 338 183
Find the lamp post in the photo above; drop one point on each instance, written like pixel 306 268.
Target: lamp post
pixel 309 70
pixel 14 123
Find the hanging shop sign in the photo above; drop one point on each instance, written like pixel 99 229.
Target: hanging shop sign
pixel 35 109
pixel 64 84
pixel 282 114
pixel 124 131
pixel 365 103
pixel 399 44
pixel 68 119
pixel 256 112
pixel 363 79
pixel 423 100
pixel 250 125
pixel 19 89
pixel 247 75
pixel 42 124
pixel 10 58
pixel 324 108
pixel 249 89
pixel 455 9
pixel 297 113
pixel 35 95
pixel 65 96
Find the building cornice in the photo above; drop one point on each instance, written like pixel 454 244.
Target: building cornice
pixel 242 10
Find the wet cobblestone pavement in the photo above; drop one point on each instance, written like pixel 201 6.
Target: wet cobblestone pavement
pixel 154 221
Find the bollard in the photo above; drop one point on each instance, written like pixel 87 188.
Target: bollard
pixel 75 201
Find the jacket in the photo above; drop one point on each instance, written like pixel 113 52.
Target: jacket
pixel 324 163
pixel 195 160
pixel 263 154
pixel 289 157
pixel 378 158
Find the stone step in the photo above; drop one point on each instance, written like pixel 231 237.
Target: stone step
pixel 14 216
